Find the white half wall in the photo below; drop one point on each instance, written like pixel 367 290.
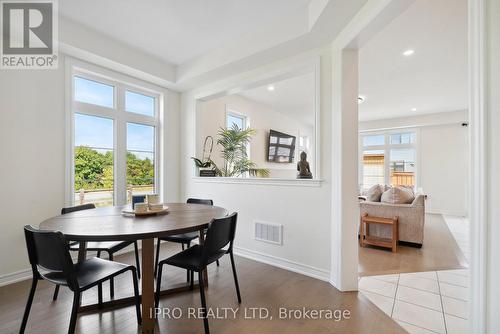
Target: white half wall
pixel 443 168
pixel 211 116
pixel 304 211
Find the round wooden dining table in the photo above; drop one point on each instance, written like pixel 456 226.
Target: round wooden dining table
pixel 111 224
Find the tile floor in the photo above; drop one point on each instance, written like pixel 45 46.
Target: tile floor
pixel 459 227
pixel 426 302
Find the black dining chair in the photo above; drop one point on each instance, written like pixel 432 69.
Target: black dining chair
pixel 48 251
pixel 184 239
pixel 109 247
pixel 220 233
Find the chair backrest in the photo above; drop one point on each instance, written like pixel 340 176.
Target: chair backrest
pixel 220 232
pixel 77 208
pixel 48 250
pixel 200 201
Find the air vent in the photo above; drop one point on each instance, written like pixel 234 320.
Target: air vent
pixel 268 232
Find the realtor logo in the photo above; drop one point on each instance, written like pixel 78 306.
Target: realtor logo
pixel 29 34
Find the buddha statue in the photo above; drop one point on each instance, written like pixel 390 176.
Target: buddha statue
pixel 303 167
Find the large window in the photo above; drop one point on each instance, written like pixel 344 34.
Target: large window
pixel 115 136
pixel 388 158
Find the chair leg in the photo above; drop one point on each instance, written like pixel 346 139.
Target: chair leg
pixel 158 286
pixel 137 299
pixel 99 286
pixel 74 312
pixel 191 285
pixel 157 256
pixel 28 305
pixel 182 244
pixel 56 292
pixel 235 277
pixel 188 275
pixel 217 261
pixel 137 262
pixel 99 295
pixel 203 302
pixel 111 281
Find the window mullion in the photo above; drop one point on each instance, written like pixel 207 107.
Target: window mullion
pixel 387 158
pixel 120 148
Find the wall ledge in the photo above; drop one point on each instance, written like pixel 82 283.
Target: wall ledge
pixel 261 181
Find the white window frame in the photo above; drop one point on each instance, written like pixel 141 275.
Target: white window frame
pixel 233 113
pixel 120 117
pixel 387 149
pixel 246 124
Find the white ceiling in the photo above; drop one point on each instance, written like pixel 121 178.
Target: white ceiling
pixel 178 30
pixel 434 79
pixel 293 97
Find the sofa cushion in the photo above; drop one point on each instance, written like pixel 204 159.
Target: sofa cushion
pixel 374 193
pixel 397 195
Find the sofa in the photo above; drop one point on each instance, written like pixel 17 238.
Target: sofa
pixel 411 219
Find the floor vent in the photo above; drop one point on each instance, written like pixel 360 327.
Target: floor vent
pixel 268 232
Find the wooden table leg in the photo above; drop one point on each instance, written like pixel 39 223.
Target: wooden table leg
pixel 147 281
pixel 82 251
pixel 205 272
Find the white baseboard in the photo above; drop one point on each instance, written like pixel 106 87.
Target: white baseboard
pixel 15 277
pixel 275 261
pixel 447 213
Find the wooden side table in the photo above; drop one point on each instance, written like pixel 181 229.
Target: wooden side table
pixel 367 239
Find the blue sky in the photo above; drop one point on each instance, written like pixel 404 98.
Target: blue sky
pixel 98 131
pixel 94 92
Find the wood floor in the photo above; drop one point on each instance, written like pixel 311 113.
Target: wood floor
pixel 262 286
pixel 439 252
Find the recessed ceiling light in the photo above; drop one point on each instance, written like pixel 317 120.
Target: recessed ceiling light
pixel 413 109
pixel 408 52
pixel 270 88
pixel 361 99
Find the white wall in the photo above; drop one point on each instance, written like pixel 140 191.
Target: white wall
pixel 444 158
pixel 211 116
pixel 304 211
pixel 32 166
pixel 493 119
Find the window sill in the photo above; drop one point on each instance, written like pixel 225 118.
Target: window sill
pixel 260 181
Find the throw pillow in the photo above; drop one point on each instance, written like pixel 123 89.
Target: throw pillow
pixel 374 193
pixel 397 195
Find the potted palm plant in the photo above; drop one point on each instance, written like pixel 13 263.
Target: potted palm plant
pixel 236 163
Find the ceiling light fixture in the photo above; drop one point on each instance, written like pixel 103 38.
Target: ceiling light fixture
pixel 413 109
pixel 270 88
pixel 361 99
pixel 408 52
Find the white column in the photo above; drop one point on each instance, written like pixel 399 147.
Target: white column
pixel 345 207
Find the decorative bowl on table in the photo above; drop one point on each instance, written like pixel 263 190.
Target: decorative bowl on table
pixel 144 209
